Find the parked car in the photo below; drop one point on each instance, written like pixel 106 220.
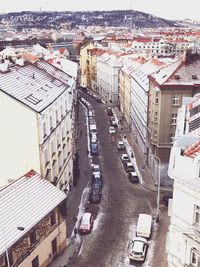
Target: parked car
pixel 138 249
pixel 97 179
pixel 112 130
pixel 133 177
pixel 95 169
pixel 120 145
pixel 113 122
pixel 86 223
pixel 94 149
pixel 93 138
pixel 128 167
pixel 109 111
pixel 91 120
pixel 95 194
pixel 124 158
pixel 93 128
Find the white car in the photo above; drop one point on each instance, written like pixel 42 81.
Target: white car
pixel 112 130
pixel 120 145
pixel 95 169
pixel 138 249
pixel 124 158
pixel 86 223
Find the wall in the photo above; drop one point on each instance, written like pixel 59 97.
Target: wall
pixel 19 140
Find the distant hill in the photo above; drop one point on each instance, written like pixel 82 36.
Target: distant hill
pixel 124 18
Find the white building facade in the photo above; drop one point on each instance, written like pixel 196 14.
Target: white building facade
pixel 184 168
pixel 107 77
pixel 37 132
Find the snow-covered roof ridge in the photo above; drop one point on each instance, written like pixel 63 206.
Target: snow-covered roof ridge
pixel 165 72
pixel 23 203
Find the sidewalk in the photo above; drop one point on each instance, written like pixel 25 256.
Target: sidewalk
pixel 147 180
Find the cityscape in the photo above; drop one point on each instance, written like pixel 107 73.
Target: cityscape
pixel 100 139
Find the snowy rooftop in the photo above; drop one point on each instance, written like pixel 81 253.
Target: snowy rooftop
pixel 35 85
pixel 24 203
pixel 141 74
pixel 164 73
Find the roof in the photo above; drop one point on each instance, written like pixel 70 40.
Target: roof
pixel 193 150
pixel 35 87
pixel 24 203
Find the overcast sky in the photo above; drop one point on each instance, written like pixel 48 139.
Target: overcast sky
pixel 172 9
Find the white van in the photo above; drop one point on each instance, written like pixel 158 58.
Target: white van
pixel 144 225
pixel 93 138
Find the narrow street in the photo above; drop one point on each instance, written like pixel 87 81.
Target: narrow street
pixel 116 216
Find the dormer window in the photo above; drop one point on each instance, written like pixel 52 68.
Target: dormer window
pixel 177 77
pixel 194 77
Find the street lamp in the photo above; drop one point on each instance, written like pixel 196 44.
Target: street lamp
pixel 158 192
pixel 20 228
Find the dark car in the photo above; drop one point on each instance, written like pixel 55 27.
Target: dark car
pixel 94 149
pixel 95 194
pixel 133 177
pixel 97 179
pixel 109 111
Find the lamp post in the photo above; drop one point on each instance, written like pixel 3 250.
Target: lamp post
pixel 158 192
pixel 20 228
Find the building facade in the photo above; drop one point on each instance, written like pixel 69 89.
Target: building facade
pixel 183 239
pixel 167 88
pixel 38 101
pixel 36 241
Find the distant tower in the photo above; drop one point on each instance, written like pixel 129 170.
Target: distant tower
pixel 40 9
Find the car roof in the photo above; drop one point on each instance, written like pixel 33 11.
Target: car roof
pixel 129 163
pixel 86 217
pixel 133 173
pixel 124 155
pixel 120 142
pixel 138 244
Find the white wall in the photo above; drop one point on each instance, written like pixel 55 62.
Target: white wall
pixel 19 147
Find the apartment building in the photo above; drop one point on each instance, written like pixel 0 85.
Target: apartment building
pixel 167 88
pixel 108 66
pixel 33 222
pixel 125 87
pixel 37 130
pixel 139 99
pixel 85 65
pixel 183 244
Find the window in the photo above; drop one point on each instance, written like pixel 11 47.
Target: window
pixel 46 157
pixel 54 168
pixel 54 246
pixel 33 238
pixel 44 130
pixel 35 262
pixel 53 148
pixel 56 116
pixel 53 219
pixel 156 117
pixel 156 98
pixel 172 135
pixel 51 122
pixel 155 135
pixel 197 215
pixel 10 259
pixel 175 100
pixel 173 118
pixel 61 111
pixel 195 258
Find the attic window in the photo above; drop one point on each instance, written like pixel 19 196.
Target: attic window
pixel 194 77
pixel 177 77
